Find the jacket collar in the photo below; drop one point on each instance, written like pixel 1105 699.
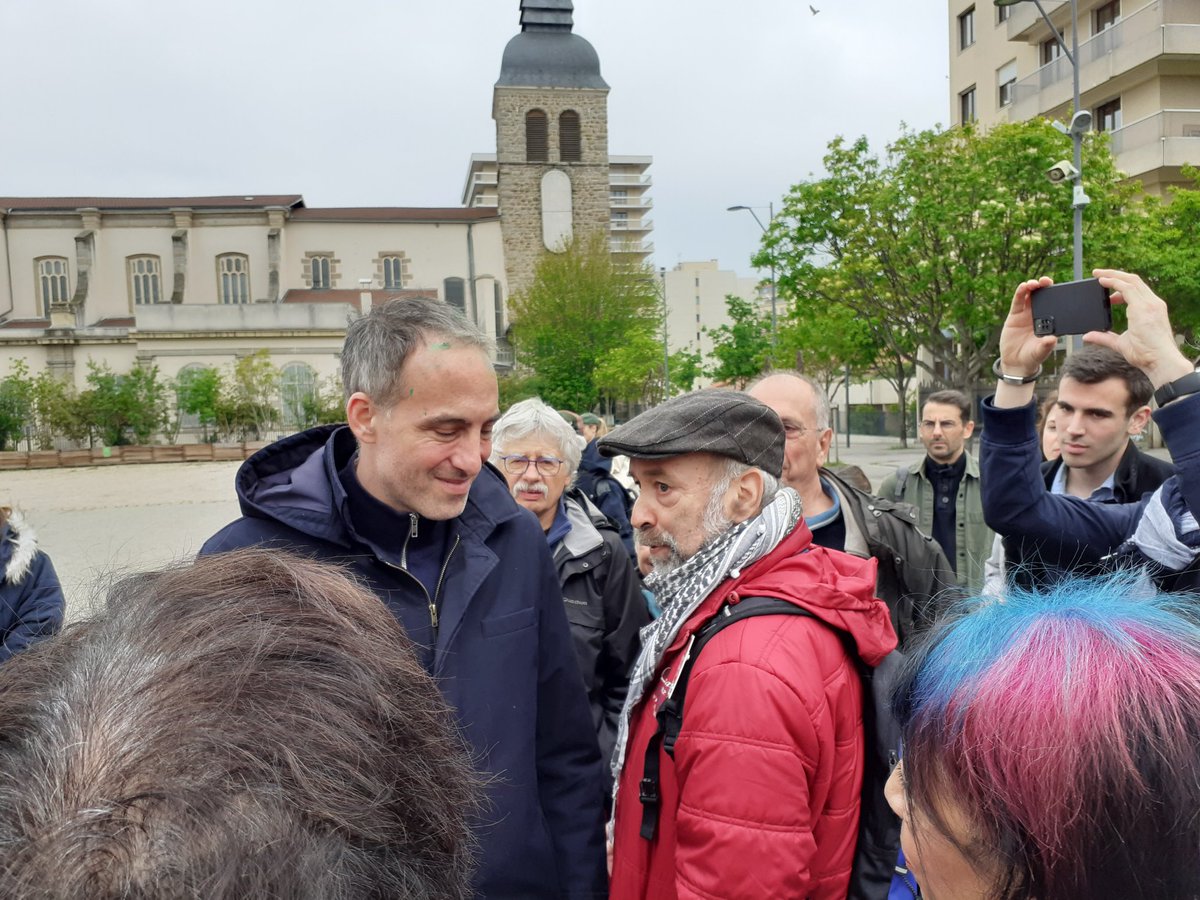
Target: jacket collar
pixel 971 472
pixel 18 548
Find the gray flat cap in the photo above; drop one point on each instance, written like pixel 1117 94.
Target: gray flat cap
pixel 728 423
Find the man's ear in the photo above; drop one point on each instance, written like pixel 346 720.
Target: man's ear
pixel 823 442
pixel 1138 420
pixel 360 416
pixel 968 429
pixel 743 500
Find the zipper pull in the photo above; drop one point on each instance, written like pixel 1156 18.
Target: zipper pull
pixel 413 531
pixel 433 614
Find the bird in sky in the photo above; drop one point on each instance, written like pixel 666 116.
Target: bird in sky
pixel 814 9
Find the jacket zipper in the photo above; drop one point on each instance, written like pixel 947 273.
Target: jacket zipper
pixel 437 591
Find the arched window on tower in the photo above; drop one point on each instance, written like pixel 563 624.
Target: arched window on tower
pixel 535 137
pixel 569 140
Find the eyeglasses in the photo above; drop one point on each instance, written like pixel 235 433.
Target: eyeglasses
pixel 946 425
pixel 548 466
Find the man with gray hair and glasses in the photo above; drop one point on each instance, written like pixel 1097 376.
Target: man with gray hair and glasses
pixel 400 496
pixel 755 792
pixel 914 576
pixel 539 455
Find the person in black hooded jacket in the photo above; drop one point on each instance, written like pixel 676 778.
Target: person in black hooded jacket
pixel 31 599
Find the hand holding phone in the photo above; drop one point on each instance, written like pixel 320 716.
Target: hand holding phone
pixel 1074 307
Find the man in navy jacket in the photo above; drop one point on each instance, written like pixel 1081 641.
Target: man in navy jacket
pixel 401 496
pixel 1159 533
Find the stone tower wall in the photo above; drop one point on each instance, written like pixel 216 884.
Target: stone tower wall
pixel 519 182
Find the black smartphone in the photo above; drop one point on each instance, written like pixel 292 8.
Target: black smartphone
pixel 1074 307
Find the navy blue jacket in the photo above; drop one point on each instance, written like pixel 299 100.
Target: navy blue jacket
pixel 596 480
pixel 1158 532
pixel 503 655
pixel 31 599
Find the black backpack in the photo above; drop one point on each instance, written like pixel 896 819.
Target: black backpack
pixel 878 827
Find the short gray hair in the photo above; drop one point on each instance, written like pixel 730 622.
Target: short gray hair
pixel 714 513
pixel 533 417
pixel 823 413
pixel 379 344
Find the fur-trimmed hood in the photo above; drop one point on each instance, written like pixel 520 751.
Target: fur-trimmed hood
pixel 18 548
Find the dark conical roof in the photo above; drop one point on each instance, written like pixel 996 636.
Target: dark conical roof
pixel 546 53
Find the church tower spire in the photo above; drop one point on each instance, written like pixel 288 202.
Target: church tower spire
pixel 550 105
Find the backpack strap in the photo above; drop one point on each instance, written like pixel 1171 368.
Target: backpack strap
pixel 670 713
pixel 901 483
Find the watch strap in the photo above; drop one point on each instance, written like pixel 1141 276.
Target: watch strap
pixel 1015 379
pixel 1180 387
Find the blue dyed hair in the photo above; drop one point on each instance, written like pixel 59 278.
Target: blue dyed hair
pixel 1066 726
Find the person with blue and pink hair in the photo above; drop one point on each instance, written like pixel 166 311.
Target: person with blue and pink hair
pixel 1050 747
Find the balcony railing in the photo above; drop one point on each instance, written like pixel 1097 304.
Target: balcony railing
pixel 1167 138
pixel 629 202
pixel 631 225
pixel 617 179
pixel 619 245
pixel 1166 27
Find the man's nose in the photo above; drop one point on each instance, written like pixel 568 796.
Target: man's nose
pixel 639 516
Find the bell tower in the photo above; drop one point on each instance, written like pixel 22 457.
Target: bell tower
pixel 550 105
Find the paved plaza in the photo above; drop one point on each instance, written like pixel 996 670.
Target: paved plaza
pixel 100 522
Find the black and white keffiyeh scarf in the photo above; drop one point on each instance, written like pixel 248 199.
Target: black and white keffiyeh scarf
pixel 682 590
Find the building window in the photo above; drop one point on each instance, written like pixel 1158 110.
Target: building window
pixel 620 219
pixel 966 106
pixel 570 148
pixel 499 297
pixel 52 282
pixel 1106 16
pixel 1002 14
pixel 966 29
pixel 535 136
pixel 1006 82
pixel 1108 115
pixel 393 272
pixel 233 277
pixel 618 195
pixel 319 273
pixel 145 280
pixel 1051 50
pixel 455 293
pixel 297 389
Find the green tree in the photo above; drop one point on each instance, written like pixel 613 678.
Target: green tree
pixel 686 367
pixel 634 370
pixel 742 347
pixel 122 408
pixel 582 305
pixel 326 405
pixel 1167 255
pixel 247 406
pixel 822 341
pixel 16 405
pixel 198 393
pixel 925 244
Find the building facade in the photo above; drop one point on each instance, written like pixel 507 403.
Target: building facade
pixel 1139 68
pixel 197 281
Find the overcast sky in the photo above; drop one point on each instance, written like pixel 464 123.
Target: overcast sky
pixel 373 103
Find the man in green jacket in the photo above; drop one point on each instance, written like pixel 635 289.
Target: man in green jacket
pixel 944 487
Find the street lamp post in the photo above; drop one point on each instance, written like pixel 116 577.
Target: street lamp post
pixel 1081 121
pixel 771 213
pixel 662 286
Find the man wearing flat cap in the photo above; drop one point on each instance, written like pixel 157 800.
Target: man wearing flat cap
pixel 750 788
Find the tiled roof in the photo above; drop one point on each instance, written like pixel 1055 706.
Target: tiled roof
pixel 24 204
pixel 394 214
pixel 26 323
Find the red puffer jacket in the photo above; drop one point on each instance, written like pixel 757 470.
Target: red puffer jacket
pixel 761 800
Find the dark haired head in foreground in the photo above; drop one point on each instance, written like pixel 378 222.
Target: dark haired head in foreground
pixel 253 725
pixel 1050 748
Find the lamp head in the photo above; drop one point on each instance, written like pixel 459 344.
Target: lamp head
pixel 1081 122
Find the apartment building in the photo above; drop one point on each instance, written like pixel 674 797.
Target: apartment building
pixel 1139 74
pixel 629 201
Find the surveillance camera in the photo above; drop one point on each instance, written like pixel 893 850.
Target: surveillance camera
pixel 1061 171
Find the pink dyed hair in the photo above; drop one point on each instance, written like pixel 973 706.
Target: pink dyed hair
pixel 1066 725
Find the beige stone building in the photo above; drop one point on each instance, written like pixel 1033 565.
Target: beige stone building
pixel 1139 74
pixel 193 281
pixel 695 295
pixel 551 176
